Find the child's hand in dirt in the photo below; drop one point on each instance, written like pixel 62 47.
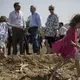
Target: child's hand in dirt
pixel 59 55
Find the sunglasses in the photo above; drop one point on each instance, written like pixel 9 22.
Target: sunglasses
pixel 50 9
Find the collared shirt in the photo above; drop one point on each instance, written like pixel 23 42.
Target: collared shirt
pixel 62 30
pixel 52 25
pixel 17 19
pixel 3 31
pixel 35 20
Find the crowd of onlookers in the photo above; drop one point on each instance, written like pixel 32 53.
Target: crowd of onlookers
pixel 15 33
pixel 58 38
pixel 6 36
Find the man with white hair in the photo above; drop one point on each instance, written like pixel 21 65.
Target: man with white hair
pixel 52 25
pixel 35 25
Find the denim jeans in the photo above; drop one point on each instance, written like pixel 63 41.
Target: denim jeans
pixel 35 41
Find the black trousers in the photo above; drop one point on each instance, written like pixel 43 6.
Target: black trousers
pixel 17 37
pixel 26 43
pixel 50 40
pixel 9 43
pixel 34 36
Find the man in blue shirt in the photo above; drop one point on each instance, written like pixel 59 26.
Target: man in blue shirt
pixel 35 25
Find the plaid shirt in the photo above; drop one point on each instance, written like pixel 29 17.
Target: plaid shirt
pixel 52 25
pixel 3 31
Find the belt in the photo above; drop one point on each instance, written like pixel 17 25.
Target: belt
pixel 20 27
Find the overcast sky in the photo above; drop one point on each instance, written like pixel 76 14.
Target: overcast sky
pixel 65 9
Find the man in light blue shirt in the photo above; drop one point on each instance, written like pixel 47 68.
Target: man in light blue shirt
pixel 35 20
pixel 35 25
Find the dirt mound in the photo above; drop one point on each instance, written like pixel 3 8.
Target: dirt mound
pixel 34 67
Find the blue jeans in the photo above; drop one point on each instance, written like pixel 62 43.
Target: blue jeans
pixel 35 40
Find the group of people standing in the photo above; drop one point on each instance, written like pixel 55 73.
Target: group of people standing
pixel 15 30
pixel 17 27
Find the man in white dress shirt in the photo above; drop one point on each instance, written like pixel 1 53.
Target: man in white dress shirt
pixel 16 19
pixel 62 30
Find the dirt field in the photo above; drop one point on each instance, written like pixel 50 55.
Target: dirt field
pixel 35 67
